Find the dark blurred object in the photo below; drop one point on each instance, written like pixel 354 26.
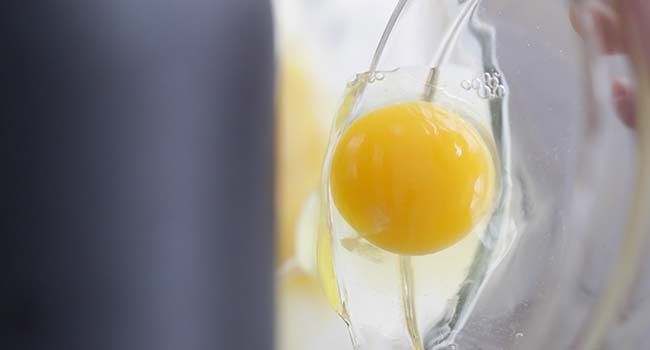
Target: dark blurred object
pixel 136 182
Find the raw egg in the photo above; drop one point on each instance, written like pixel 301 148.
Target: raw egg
pixel 412 178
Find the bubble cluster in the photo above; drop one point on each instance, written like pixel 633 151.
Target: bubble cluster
pixel 368 77
pixel 488 86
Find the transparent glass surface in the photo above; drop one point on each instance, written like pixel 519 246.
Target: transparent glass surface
pixel 561 264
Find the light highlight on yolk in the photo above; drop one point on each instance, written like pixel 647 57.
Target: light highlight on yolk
pixel 412 178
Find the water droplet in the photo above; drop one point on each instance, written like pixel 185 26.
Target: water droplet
pixel 519 335
pixel 466 84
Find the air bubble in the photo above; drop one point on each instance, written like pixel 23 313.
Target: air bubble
pixel 484 92
pixel 453 347
pixel 466 84
pixel 500 91
pixel 493 82
pixel 354 81
pixel 519 335
pixel 380 76
pixel 476 84
pixel 371 78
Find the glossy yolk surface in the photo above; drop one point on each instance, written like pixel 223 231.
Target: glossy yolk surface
pixel 412 178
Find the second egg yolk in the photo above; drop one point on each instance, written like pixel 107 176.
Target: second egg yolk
pixel 412 178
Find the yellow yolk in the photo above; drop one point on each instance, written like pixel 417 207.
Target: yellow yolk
pixel 412 178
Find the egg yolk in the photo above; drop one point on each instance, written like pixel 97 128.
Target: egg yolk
pixel 412 178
